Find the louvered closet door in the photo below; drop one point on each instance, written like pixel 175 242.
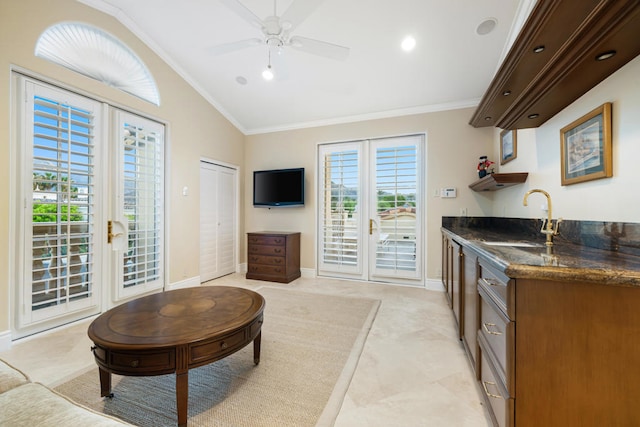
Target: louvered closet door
pixel 217 220
pixel 370 209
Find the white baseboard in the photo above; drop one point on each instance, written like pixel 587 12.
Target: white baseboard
pixel 5 340
pixel 308 273
pixel 186 283
pixel 242 268
pixel 434 285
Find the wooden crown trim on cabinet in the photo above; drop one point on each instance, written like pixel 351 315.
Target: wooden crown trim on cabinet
pixel 554 60
pixel 498 181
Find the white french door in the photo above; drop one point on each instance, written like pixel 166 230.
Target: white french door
pixel 73 178
pixel 137 206
pixel 371 204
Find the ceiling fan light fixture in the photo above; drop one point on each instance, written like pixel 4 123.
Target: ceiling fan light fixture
pixel 408 44
pixel 267 74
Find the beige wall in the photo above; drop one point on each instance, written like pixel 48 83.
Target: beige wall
pixel 21 23
pixel 452 147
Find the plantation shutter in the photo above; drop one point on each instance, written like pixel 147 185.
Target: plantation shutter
pixel 340 216
pixel 60 196
pixel 395 175
pixel 139 208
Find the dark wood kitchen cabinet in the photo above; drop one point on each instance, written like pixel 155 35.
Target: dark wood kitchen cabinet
pixel 470 307
pixel 452 275
pixel 273 256
pixel 552 352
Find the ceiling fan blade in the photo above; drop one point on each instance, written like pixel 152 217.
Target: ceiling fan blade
pixel 297 12
pixel 318 47
pixel 221 49
pixel 243 12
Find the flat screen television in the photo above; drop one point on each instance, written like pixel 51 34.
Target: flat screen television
pixel 278 187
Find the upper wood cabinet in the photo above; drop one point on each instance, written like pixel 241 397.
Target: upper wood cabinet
pixel 555 60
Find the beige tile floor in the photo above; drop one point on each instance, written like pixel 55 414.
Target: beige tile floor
pixel 413 370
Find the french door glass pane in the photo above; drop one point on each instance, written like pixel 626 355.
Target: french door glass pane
pixel 142 149
pixel 340 226
pixel 63 192
pixel 396 189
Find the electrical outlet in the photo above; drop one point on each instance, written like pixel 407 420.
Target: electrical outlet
pixel 463 211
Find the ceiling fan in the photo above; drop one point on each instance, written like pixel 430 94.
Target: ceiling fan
pixel 276 31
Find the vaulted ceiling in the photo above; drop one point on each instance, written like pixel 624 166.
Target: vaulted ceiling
pixel 451 66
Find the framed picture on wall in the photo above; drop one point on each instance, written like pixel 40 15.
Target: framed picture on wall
pixel 508 146
pixel 586 147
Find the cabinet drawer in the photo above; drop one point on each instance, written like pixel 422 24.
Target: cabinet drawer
pixel 212 350
pixel 272 270
pixel 498 332
pixel 138 363
pixel 267 250
pixel 268 260
pixel 498 287
pixel 266 240
pixel 500 404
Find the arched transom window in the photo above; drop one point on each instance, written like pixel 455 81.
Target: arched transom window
pixel 99 55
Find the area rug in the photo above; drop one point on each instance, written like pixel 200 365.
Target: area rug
pixel 311 344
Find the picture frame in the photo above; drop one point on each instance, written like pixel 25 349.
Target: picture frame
pixel 508 146
pixel 585 147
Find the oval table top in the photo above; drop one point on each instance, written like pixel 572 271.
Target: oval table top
pixel 176 317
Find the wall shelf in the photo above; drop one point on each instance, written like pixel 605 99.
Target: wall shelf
pixel 498 181
pixel 554 60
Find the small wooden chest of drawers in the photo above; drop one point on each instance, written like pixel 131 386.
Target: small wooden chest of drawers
pixel 273 256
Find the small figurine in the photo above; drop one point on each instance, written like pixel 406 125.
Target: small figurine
pixel 483 166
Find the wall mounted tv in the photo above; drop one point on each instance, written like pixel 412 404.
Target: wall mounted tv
pixel 278 187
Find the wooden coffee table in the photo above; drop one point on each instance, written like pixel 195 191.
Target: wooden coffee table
pixel 176 331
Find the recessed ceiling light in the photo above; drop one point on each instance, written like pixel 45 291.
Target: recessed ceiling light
pixel 408 44
pixel 538 49
pixel 506 92
pixel 486 26
pixel 241 80
pixel 605 55
pixel 533 116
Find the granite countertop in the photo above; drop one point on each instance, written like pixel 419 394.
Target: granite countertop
pixel 566 261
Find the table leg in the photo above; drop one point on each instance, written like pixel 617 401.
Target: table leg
pixel 256 348
pixel 182 396
pixel 105 383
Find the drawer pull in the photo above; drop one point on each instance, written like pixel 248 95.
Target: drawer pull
pixel 487 327
pixel 278 241
pixel 277 251
pixel 224 345
pixel 485 384
pixel 135 363
pixel 488 282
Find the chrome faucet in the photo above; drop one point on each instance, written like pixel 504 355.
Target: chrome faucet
pixel 547 224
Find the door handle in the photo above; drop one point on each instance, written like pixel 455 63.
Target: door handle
pixel 118 239
pixel 110 233
pixel 370 226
